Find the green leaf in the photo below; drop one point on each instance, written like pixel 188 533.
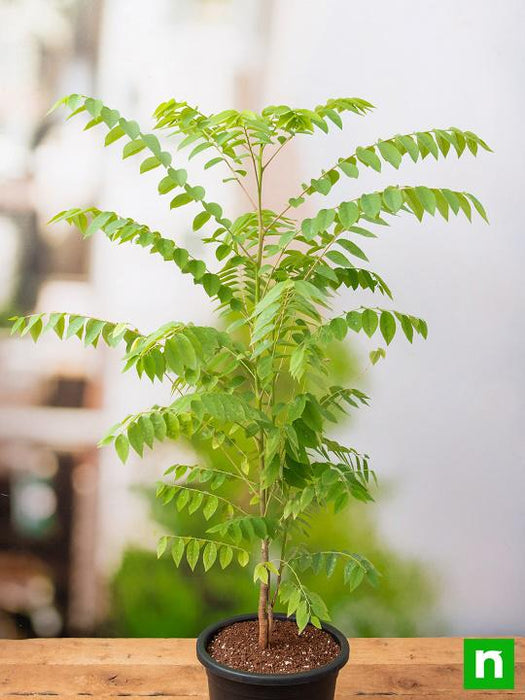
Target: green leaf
pixel 413 202
pixel 308 229
pixel 133 147
pixel 390 153
pixel 35 327
pixel 196 193
pixel 130 128
pixel 452 199
pixel 98 222
pixel 324 219
pixel 297 362
pixel 368 157
pixel 478 206
pixel 296 408
pixel 179 176
pixel 410 145
pixel 159 426
pixel 406 326
pixel 427 199
pixel 180 200
pixel 172 425
pixel 192 553
pixel 172 356
pixel 323 185
pixel 196 502
pixel 149 164
pixel 18 324
pixel 200 220
pixel 198 149
pixel 393 199
pixel 161 547
pixel 75 326
pixel 272 568
pixel 349 168
pixel 348 214
pixel 427 144
pixel 243 557
pixel 213 161
pixel 93 330
pixel 464 205
pixel 122 447
pixel 260 573
pixel 135 438
pixel 177 550
pixel 153 144
pixel 354 320
pixel 441 203
pixel 387 325
pixel 318 606
pixel 353 575
pixel 340 328
pixel 186 351
pixel 331 563
pixel 296 201
pixel 294 601
pixel 211 506
pixel 376 355
pixel 302 616
pixel 209 555
pixel 148 433
pixel 335 118
pixel 116 133
pixel 371 204
pixel 225 556
pixel 352 248
pixel 166 185
pixel 370 322
pixel 338 258
pixel 183 499
pixel 223 251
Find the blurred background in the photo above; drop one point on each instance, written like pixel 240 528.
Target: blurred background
pixel 77 529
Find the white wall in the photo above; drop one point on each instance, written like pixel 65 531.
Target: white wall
pixel 447 415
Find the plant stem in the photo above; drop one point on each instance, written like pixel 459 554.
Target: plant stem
pixel 264 632
pixel 278 582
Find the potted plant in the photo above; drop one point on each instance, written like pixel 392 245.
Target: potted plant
pixel 259 386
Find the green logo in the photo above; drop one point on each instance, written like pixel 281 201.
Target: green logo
pixel 488 664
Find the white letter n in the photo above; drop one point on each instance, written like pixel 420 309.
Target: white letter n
pixel 482 657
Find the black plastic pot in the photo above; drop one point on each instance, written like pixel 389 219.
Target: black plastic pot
pixel 226 683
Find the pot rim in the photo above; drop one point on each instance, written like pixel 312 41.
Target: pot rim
pixel 234 674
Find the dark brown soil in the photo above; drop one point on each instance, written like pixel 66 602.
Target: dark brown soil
pixel 237 646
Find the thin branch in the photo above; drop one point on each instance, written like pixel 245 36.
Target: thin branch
pixel 205 539
pixel 276 152
pixel 225 159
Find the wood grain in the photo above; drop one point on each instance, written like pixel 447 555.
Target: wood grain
pixel 429 669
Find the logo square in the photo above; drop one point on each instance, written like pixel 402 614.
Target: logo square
pixel 488 664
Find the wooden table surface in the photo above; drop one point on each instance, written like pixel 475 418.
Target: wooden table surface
pixel 379 669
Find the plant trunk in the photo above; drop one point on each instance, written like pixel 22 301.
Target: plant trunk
pixel 264 631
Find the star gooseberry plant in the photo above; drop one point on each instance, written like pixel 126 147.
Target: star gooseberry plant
pixel 260 388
